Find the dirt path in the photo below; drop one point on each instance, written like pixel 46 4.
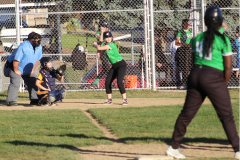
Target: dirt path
pixel 121 151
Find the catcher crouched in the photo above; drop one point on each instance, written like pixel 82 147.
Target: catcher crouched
pixel 47 94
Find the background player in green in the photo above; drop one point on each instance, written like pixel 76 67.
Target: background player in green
pixel 212 55
pixel 103 25
pixel 118 69
pixel 183 53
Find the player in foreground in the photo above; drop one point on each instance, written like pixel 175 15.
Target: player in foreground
pixel 45 82
pixel 119 66
pixel 212 56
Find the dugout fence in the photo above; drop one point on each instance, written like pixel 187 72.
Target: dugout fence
pixel 67 26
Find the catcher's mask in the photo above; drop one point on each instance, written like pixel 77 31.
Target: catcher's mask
pixel 44 62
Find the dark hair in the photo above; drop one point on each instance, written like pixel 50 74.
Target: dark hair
pixel 34 35
pixel 213 20
pixel 185 20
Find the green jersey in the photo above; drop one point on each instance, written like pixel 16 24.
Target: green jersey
pixel 215 57
pixel 221 30
pixel 185 36
pixel 112 54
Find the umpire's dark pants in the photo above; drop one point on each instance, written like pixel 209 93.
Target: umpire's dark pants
pixel 206 81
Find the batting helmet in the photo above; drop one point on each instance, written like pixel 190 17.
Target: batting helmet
pixel 44 61
pixel 103 23
pixel 213 16
pixel 107 34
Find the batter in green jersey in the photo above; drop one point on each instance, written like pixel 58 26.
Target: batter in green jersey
pixel 112 53
pixel 119 66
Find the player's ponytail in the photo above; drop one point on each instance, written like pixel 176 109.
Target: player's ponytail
pixel 209 38
pixel 213 20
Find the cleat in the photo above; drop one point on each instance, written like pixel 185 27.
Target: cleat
pixel 174 153
pixel 13 103
pixel 124 102
pixel 108 102
pixel 237 155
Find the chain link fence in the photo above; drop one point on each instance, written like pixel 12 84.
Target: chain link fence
pixel 69 29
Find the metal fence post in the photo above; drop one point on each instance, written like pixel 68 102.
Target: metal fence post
pixel 146 40
pixel 59 32
pixel 152 45
pixel 203 10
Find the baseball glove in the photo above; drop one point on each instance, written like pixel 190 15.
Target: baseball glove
pixel 61 69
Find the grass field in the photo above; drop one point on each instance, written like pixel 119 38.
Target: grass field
pixel 57 134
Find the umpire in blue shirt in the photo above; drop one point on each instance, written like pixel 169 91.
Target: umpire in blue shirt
pixel 22 63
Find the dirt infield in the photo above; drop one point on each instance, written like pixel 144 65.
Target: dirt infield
pixel 121 151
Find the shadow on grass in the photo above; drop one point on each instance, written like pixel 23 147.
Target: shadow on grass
pixel 81 151
pixel 66 146
pixel 127 155
pixel 150 139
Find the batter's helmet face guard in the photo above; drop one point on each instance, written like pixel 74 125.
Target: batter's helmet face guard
pixel 44 62
pixel 213 16
pixel 107 34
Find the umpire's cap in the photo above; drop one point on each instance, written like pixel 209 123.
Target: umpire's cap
pixel 103 23
pixel 213 16
pixel 107 34
pixel 34 35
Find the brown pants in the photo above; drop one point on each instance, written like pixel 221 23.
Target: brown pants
pixel 202 82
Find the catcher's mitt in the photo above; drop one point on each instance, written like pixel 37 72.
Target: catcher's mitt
pixel 61 69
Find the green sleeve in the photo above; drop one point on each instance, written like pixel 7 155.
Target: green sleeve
pixel 179 34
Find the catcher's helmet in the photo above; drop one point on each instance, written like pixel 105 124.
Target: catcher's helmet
pixel 44 61
pixel 103 23
pixel 213 16
pixel 107 34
